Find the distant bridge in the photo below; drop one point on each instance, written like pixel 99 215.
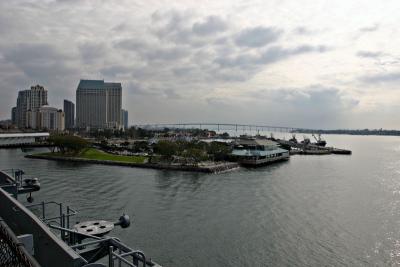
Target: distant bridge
pixel 222 127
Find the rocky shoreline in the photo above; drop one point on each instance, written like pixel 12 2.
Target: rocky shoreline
pixel 207 168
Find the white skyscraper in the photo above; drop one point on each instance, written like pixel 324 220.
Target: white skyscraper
pixel 29 100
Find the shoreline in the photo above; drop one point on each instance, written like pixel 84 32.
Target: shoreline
pixel 216 168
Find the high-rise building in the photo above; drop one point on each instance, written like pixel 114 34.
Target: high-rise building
pixel 69 111
pixel 98 104
pixel 124 114
pixel 14 116
pixel 29 100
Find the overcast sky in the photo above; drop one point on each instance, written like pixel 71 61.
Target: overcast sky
pixel 303 63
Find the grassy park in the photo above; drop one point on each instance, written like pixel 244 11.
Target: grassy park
pixel 95 154
pixel 92 153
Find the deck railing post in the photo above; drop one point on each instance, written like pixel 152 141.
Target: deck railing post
pixel 63 226
pixel 68 210
pixel 60 205
pixel 43 211
pixel 119 262
pixel 111 256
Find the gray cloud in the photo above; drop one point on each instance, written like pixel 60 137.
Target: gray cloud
pixel 369 54
pixel 268 56
pixel 211 25
pixel 167 53
pixel 171 94
pixel 37 52
pixel 130 44
pixel 92 51
pixel 136 88
pixel 39 62
pixel 257 36
pixel 371 28
pixel 304 106
pixel 314 98
pixel 113 71
pixel 382 78
pixel 173 26
pixel 303 31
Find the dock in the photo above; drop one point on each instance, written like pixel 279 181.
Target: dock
pixel 311 149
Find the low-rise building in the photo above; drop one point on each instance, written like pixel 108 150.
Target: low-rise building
pixel 51 118
pixel 46 118
pixel 255 152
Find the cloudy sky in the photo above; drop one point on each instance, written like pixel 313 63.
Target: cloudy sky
pixel 303 63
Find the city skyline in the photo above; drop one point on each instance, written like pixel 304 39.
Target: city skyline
pixel 324 66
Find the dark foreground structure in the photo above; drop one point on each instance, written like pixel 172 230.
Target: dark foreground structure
pixel 49 239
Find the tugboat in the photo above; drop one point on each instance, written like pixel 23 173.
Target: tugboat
pixel 293 139
pixel 319 140
pixel 306 140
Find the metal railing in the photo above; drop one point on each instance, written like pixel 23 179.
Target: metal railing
pixel 12 252
pixel 62 219
pixel 122 258
pixel 118 253
pixel 14 180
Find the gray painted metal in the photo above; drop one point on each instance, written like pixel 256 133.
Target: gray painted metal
pixel 49 250
pixel 12 252
pixel 17 184
pixel 97 228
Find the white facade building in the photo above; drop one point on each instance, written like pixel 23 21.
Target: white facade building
pixel 29 100
pixel 51 119
pixel 46 118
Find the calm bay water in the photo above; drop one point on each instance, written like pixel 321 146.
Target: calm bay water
pixel 331 210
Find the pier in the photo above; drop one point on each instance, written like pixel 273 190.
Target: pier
pixel 311 149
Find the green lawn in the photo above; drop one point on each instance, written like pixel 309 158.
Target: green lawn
pixel 92 153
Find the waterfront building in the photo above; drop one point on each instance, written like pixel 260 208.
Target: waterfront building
pixel 14 116
pixel 29 100
pixel 51 119
pixel 124 114
pixel 46 118
pixel 98 105
pixel 32 119
pixel 255 152
pixel 69 111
